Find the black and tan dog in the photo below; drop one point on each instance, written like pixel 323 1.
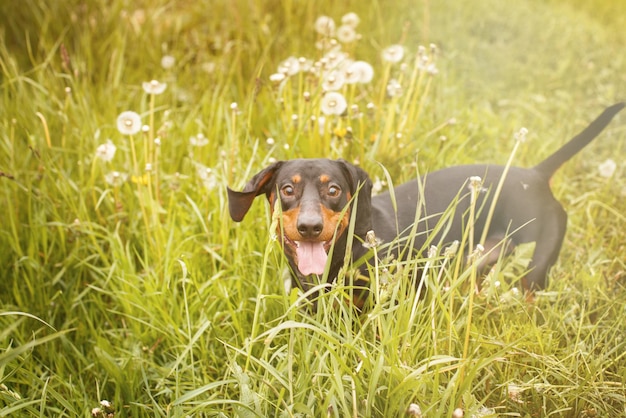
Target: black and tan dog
pixel 317 196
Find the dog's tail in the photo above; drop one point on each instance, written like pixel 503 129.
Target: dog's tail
pixel 548 166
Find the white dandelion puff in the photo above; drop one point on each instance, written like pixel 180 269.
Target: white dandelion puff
pixel 521 135
pixel 106 152
pixel 206 176
pixel 167 62
pixel 277 77
pixel 393 53
pixel 305 64
pixel 351 19
pixel 432 69
pixel 325 25
pixel 333 81
pixel 359 72
pixel 607 168
pixel 198 140
pixel 394 88
pixel 458 413
pixel 290 66
pixel 414 410
pixel 115 178
pixel 129 123
pixel 334 60
pixel 333 103
pixel 346 34
pixel 154 87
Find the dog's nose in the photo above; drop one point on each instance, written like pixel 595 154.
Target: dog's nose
pixel 310 225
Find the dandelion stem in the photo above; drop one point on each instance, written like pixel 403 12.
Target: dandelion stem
pixel 492 207
pixel 151 131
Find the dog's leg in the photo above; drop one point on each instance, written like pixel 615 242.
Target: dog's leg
pixel 547 247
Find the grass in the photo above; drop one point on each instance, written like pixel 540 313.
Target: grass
pixel 141 292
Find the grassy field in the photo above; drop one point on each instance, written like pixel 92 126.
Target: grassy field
pixel 126 290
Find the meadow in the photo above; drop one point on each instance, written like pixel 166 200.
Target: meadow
pixel 127 291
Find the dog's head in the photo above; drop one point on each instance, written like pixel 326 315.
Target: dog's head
pixel 313 194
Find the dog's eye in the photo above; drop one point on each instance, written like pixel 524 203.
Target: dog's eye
pixel 334 191
pixel 287 190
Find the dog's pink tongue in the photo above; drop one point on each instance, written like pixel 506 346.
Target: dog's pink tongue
pixel 311 257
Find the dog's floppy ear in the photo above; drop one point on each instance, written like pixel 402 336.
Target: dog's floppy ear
pixel 360 183
pixel 239 202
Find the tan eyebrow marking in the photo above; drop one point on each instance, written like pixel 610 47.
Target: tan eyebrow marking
pixel 324 178
pixel 296 178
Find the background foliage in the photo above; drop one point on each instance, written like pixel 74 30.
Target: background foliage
pixel 142 293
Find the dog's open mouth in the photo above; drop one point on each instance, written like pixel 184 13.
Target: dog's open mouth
pixel 311 256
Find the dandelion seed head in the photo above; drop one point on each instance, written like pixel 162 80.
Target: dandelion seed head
pixel 153 87
pixel 115 178
pixel 277 77
pixel 128 123
pixel 458 413
pixel 305 64
pixel 475 182
pixel 414 410
pixel 167 62
pixel 270 141
pixel 333 103
pixel 325 26
pixel 520 136
pixel 371 240
pixel 346 34
pixel 432 69
pixel 148 168
pixel 307 96
pixel 206 176
pixel 68 90
pixel 234 106
pixel 333 81
pixel 351 19
pixel 157 141
pixel 393 54
pixel 198 140
pixel 359 72
pixel 145 129
pixel 451 250
pixel 290 66
pixel 334 60
pixel 394 88
pixel 607 168
pixel 106 151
